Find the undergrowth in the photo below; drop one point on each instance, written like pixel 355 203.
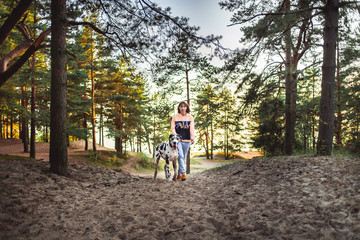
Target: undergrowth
pixel 108 159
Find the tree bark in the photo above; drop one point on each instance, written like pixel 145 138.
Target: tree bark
pixel 1 126
pixel 212 140
pixel 85 127
pixel 188 101
pixel 93 96
pixel 339 107
pixel 207 143
pixel 58 134
pixel 326 123
pixel 24 123
pixel 33 118
pixel 154 140
pixel 289 91
pixel 33 103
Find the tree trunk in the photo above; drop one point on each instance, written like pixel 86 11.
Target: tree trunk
pixel 46 134
pixel 326 123
pixel 289 98
pixel 207 143
pixel 24 124
pixel 58 133
pixel 85 127
pixel 32 123
pixel 148 142
pixel 227 136
pixel 339 114
pixel 101 126
pixel 207 136
pixel 11 127
pixel 212 142
pixel 33 106
pixel 313 120
pixel 154 144
pixel 1 127
pixel 93 96
pixel 188 101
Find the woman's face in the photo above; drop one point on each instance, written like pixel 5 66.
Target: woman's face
pixel 183 108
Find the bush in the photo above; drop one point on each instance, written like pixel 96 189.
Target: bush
pixel 145 161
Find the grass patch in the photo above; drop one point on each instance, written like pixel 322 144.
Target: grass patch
pixel 109 159
pixel 193 162
pixel 221 156
pixel 144 162
pixel 17 158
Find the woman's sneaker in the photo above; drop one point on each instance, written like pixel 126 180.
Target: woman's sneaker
pixel 179 177
pixel 183 177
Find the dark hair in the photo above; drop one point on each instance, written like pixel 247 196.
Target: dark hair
pixel 187 106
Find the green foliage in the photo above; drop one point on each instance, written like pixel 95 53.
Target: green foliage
pixel 145 162
pixel 307 111
pixel 269 128
pixel 206 114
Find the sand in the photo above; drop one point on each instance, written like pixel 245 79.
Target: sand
pixel 300 197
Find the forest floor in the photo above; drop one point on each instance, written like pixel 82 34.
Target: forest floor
pixel 296 197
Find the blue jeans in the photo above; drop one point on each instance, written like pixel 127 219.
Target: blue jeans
pixel 183 148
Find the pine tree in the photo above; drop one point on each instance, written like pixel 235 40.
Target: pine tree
pixel 58 114
pixel 206 113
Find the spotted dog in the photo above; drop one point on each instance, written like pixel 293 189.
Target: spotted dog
pixel 169 152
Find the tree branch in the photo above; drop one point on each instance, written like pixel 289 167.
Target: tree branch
pixel 274 14
pixel 13 19
pixel 4 76
pixel 11 55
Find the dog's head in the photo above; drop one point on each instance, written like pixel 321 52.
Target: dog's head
pixel 174 140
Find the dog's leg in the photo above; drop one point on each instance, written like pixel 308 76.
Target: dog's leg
pixel 167 170
pixel 174 166
pixel 156 166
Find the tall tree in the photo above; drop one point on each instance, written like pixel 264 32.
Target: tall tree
pixel 326 122
pixel 58 113
pixel 229 121
pixel 206 113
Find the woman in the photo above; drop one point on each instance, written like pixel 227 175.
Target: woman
pixel 183 124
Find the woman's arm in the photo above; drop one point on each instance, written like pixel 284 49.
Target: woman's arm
pixel 192 130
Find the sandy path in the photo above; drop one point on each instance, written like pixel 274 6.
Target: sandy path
pixel 270 198
pixel 274 198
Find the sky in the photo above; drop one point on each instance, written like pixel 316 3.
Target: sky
pixel 208 16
